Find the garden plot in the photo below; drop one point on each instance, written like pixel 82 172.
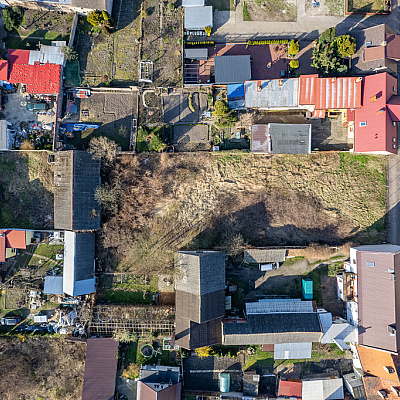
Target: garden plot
pixel 270 10
pixel 162 42
pixel 191 138
pixel 177 107
pixel 111 58
pixel 114 111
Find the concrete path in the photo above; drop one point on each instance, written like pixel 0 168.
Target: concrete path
pixel 229 26
pixel 393 199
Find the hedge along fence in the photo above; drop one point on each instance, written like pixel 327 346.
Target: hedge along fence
pixel 262 42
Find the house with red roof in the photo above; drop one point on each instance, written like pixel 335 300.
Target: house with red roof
pixel 11 240
pixel 38 70
pixel 375 122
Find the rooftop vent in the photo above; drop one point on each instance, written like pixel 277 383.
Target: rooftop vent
pixel 396 391
pixel 383 393
pixel 359 79
pixel 392 328
pixel 389 370
pixel 259 86
pixel 280 82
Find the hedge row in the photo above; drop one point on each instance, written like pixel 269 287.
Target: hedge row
pixel 203 43
pixel 261 42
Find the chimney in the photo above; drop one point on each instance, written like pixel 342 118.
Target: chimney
pixel 280 82
pixel 359 79
pixel 333 80
pixel 258 86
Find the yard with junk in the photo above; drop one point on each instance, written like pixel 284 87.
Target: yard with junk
pixel 40 26
pixel 26 190
pixel 30 368
pixel 203 201
pixel 270 10
pixel 113 113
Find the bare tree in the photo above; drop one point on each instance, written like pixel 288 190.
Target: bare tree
pixel 104 149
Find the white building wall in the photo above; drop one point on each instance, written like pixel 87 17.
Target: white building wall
pixel 352 312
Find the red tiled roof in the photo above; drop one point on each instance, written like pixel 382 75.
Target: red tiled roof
pixel 290 389
pixel 330 93
pixel 378 133
pixel 393 46
pixel 374 53
pixel 2 249
pixel 14 239
pixel 40 79
pixel 372 384
pixel 18 56
pixel 3 70
pixel 393 106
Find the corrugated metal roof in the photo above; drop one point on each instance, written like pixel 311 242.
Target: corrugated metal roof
pixel 373 128
pixel 290 389
pixel 78 275
pixel 235 91
pixel 53 284
pixel 290 138
pixel 197 18
pixel 47 55
pixel 258 256
pixel 232 69
pixel 330 93
pixel 272 94
pixel 197 53
pixel 292 351
pixel 343 331
pixel 279 306
pixel 326 321
pixel 326 389
pixel 100 369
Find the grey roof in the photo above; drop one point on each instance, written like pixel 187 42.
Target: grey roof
pixel 379 248
pixel 193 3
pixel 159 374
pixel 251 382
pixel 292 351
pixel 274 94
pixel 53 284
pixel 197 18
pixel 273 328
pixel 100 369
pixel 200 272
pixel 5 138
pixel 261 256
pixel 47 54
pixel 232 69
pixel 281 138
pixel 197 53
pixel 375 35
pixel 76 177
pixel 78 272
pixel 279 306
pixel 93 4
pixel 355 385
pixel 323 389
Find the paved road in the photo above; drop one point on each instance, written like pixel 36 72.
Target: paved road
pixel 230 26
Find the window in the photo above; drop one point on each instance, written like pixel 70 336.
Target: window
pixel 370 264
pixel 363 123
pixel 394 140
pixel 394 89
pixel 394 146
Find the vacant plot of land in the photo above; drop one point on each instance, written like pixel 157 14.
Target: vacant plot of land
pixel 162 42
pixel 325 8
pixel 272 10
pixel 40 26
pixel 26 190
pixel 203 201
pixel 177 110
pixel 364 6
pixel 114 112
pixel 47 368
pixel 191 137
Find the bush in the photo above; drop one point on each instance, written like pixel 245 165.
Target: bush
pixel 327 36
pixel 190 103
pixel 221 107
pixel 171 6
pixel 346 45
pixel 203 352
pixel 95 18
pixel 12 18
pixel 70 54
pixel 293 48
pixel 294 64
pixel 268 41
pixel 144 13
pixel 103 149
pixel 179 41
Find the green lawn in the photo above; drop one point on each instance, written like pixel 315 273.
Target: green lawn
pixel 127 296
pixel 260 359
pixel 31 39
pixel 72 74
pixel 47 250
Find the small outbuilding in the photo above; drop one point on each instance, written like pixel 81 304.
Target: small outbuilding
pixel 307 289
pixel 5 136
pixel 197 18
pixel 266 259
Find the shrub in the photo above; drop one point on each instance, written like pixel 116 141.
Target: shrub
pixel 268 41
pixel 12 18
pixel 171 6
pixel 95 18
pixel 70 54
pixel 203 352
pixel 293 48
pixel 190 103
pixel 144 13
pixel 103 149
pixel 179 41
pixel 294 64
pixel 246 15
pixel 327 36
pixel 221 107
pixel 346 45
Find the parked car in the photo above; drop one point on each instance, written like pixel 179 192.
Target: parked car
pixel 59 256
pixel 269 266
pixel 33 106
pixel 10 321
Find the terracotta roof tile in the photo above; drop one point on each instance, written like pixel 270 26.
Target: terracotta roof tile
pixel 290 389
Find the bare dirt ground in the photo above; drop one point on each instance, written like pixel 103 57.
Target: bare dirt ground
pixel 202 201
pixel 272 10
pixel 26 190
pixel 48 21
pixel 162 42
pixel 46 368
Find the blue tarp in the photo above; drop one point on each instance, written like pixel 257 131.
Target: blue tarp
pixel 79 127
pixel 235 90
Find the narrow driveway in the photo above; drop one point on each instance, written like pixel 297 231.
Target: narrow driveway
pixel 229 26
